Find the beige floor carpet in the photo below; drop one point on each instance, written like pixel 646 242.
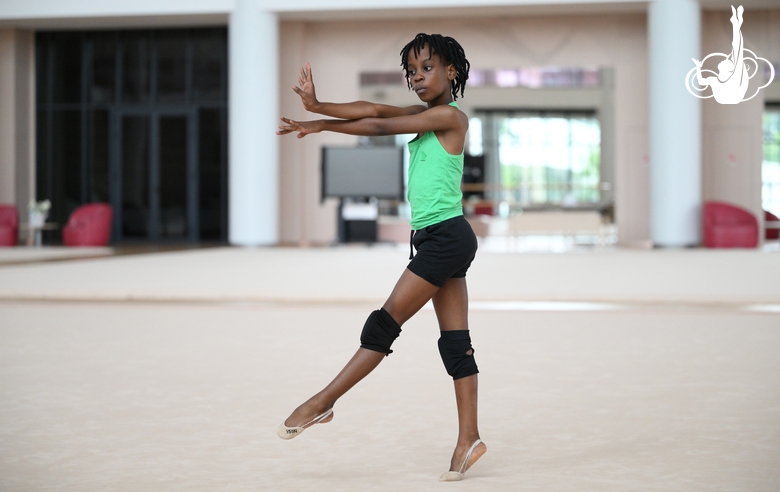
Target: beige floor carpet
pixel 187 396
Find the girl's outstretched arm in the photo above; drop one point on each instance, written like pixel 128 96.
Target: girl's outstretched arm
pixel 348 111
pixel 439 118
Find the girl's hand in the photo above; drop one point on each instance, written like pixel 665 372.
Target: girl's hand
pixel 302 127
pixel 305 89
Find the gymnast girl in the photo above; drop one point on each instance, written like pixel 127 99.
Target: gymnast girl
pixel 436 69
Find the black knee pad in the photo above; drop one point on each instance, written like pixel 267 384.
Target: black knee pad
pixel 379 332
pixel 457 353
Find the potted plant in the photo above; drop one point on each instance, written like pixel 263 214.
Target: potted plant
pixel 38 211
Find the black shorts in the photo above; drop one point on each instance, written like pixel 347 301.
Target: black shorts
pixel 444 250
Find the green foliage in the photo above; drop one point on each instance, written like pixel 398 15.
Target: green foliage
pixel 550 159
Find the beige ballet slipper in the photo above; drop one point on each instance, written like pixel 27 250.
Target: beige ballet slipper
pixel 287 433
pixel 454 476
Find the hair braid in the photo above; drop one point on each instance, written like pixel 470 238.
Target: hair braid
pixel 448 49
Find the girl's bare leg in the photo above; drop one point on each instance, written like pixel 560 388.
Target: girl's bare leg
pixel 451 303
pixel 409 295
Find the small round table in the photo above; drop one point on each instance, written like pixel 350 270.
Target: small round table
pixel 34 237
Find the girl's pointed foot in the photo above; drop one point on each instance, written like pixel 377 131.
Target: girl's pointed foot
pixel 475 452
pixel 306 415
pixel 287 433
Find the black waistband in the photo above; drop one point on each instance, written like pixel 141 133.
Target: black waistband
pixel 411 235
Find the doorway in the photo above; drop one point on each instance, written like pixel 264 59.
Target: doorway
pixel 156 196
pixel 136 119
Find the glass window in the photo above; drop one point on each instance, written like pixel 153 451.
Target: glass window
pixel 42 169
pixel 171 67
pixel 98 155
pixel 208 58
pixel 103 87
pixel 67 67
pixel 770 170
pixel 115 123
pixel 547 158
pixel 136 68
pixel 210 179
pixel 66 156
pixel 42 78
pixel 173 176
pixel 475 136
pixel 135 176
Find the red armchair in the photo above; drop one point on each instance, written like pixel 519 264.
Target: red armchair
pixel 9 225
pixel 88 225
pixel 771 233
pixel 729 226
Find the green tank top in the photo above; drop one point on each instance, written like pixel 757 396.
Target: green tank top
pixel 434 181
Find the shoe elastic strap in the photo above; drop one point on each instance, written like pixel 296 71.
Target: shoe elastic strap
pixel 317 419
pixel 468 456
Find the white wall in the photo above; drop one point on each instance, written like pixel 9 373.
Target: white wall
pixel 7 116
pixel 733 134
pixel 17 129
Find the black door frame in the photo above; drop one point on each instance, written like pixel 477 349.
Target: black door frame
pixel 192 180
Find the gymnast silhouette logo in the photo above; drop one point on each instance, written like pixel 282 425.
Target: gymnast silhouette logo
pixel 734 72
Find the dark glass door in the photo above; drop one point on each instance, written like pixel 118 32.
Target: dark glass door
pixel 157 197
pixel 136 118
pixel 134 171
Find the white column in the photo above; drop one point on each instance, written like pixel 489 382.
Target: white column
pixel 674 31
pixel 17 118
pixel 253 146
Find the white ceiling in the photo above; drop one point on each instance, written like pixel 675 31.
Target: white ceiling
pixel 86 14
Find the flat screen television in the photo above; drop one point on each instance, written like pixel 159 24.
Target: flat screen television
pixel 363 172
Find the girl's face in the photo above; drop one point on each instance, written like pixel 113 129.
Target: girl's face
pixel 431 79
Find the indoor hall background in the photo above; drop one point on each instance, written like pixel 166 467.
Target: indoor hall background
pixel 136 118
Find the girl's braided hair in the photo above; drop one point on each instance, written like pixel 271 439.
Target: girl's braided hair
pixel 448 49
